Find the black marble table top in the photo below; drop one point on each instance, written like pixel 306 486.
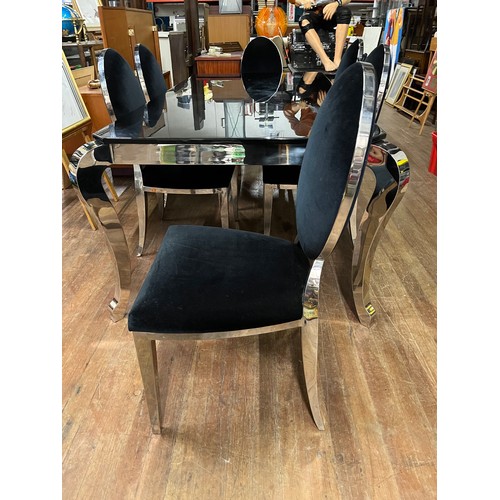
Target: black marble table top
pixel 208 111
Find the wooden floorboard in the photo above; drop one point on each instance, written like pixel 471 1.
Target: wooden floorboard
pixel 237 424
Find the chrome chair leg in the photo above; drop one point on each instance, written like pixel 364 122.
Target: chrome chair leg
pixel 235 192
pixel 268 207
pixel 223 207
pixel 140 199
pixel 160 202
pixel 309 340
pixel 148 364
pixel 393 176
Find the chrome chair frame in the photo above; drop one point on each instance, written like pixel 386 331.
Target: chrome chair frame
pixel 378 133
pixel 104 86
pixel 384 77
pixel 145 342
pixel 392 177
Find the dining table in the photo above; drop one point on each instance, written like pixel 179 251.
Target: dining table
pixel 211 121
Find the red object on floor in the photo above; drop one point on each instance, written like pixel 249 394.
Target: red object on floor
pixel 433 159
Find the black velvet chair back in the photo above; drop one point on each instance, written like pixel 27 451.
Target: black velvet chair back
pixel 350 56
pixel 120 87
pixel 380 57
pixel 330 175
pixel 149 73
pixel 261 69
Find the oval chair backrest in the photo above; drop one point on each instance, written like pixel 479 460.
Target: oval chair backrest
pixel 335 159
pixel 380 57
pixel 120 87
pixel 149 73
pixel 261 69
pixel 350 56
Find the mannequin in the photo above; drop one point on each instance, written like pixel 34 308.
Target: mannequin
pixel 326 14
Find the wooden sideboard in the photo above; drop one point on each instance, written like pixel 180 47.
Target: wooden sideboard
pixel 228 66
pixel 94 101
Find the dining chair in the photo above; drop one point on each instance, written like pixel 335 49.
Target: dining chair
pixel 125 97
pixel 177 179
pixel 261 69
pixel 285 177
pixel 121 90
pixel 380 57
pixel 214 283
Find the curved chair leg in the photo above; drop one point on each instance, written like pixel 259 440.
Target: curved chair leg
pixel 89 214
pixel 309 340
pixel 392 180
pixel 268 208
pixel 148 364
pixel 140 199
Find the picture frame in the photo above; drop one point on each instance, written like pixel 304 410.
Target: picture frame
pixel 393 33
pixel 74 112
pixel 398 79
pixel 230 7
pixel 88 9
pixel 430 82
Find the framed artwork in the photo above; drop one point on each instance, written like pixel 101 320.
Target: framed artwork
pixel 371 38
pixel 74 112
pixel 397 81
pixel 430 82
pixel 393 33
pixel 88 9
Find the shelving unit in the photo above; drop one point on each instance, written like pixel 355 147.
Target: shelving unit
pixel 423 99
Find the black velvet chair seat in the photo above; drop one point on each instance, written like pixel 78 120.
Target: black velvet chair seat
pixel 210 279
pixel 187 177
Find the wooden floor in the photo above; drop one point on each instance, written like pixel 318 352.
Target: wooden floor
pixel 237 425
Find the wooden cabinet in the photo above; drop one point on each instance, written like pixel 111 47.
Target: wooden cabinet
pixel 123 28
pixel 229 28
